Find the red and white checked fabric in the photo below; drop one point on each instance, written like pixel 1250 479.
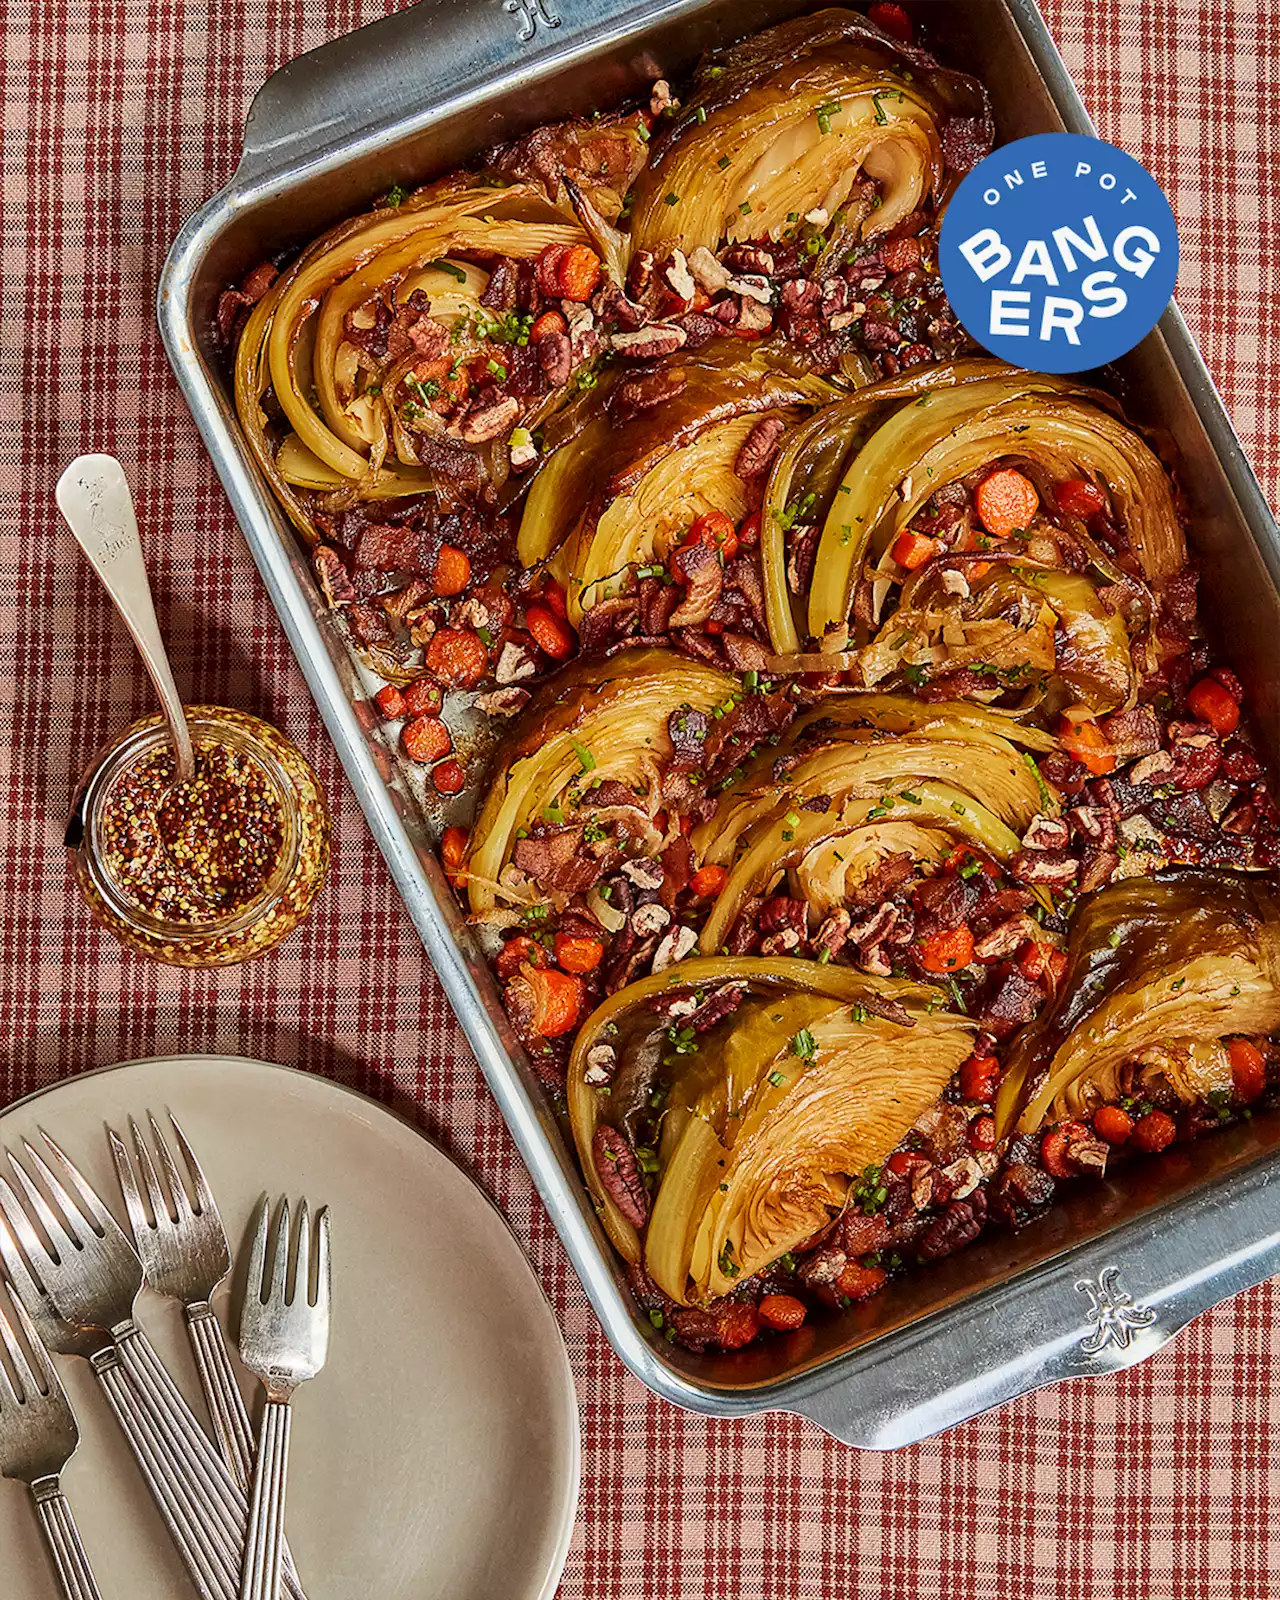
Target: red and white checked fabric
pixel 119 118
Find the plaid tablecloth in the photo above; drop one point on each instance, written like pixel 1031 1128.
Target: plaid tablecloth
pixel 119 118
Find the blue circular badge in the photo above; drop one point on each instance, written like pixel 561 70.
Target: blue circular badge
pixel 1059 252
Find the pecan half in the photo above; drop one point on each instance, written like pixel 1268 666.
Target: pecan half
pixel 644 344
pixel 959 1225
pixel 759 447
pixel 619 1171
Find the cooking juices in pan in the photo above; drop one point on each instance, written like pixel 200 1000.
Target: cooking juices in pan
pixel 873 844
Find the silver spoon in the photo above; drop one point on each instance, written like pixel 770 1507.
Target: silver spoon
pixel 93 495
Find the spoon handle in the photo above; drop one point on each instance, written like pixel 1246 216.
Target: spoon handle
pixel 93 495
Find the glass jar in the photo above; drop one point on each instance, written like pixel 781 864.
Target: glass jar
pixel 209 873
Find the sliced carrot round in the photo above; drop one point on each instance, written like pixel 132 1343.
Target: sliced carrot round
pixel 1006 501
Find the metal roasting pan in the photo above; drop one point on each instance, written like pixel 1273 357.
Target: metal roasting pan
pixel 1119 1267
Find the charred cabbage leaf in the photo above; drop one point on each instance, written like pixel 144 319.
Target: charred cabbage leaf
pixel 770 1120
pixel 1161 969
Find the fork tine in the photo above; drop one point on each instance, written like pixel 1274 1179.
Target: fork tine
pixel 26 1378
pixel 159 1204
pixel 205 1204
pixel 40 1357
pixel 256 1280
pixel 20 1277
pixel 107 1224
pixel 19 1221
pixel 173 1178
pixel 70 1215
pixel 323 1265
pixel 302 1262
pixel 280 1264
pixel 128 1184
pixel 8 1394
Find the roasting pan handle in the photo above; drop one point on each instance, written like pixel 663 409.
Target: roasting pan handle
pixel 385 75
pixel 1096 1310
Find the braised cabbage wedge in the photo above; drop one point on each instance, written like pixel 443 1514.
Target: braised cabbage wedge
pixel 618 487
pixel 607 721
pixel 817 1075
pixel 1161 969
pixel 792 121
pixel 367 426
pixel 865 466
pixel 896 775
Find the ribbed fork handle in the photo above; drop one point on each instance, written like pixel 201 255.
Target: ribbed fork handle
pixel 212 1570
pixel 264 1550
pixel 233 1432
pixel 63 1538
pixel 193 1459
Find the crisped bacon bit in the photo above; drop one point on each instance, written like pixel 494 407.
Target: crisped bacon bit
pixel 1020 1192
pixel 619 1172
pixel 700 569
pixel 334 578
pixel 232 302
pixel 557 859
pixel 687 729
pixel 413 330
pixel 965 141
pixel 395 547
pixel 368 623
pixel 645 391
pixel 1015 1001
pixel 500 291
pixel 1132 733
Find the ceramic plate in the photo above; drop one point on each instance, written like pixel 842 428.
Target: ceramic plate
pixel 436 1456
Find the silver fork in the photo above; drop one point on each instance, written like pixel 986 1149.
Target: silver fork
pixel 181 1516
pixel 284 1338
pixel 92 1275
pixel 185 1256
pixel 38 1436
